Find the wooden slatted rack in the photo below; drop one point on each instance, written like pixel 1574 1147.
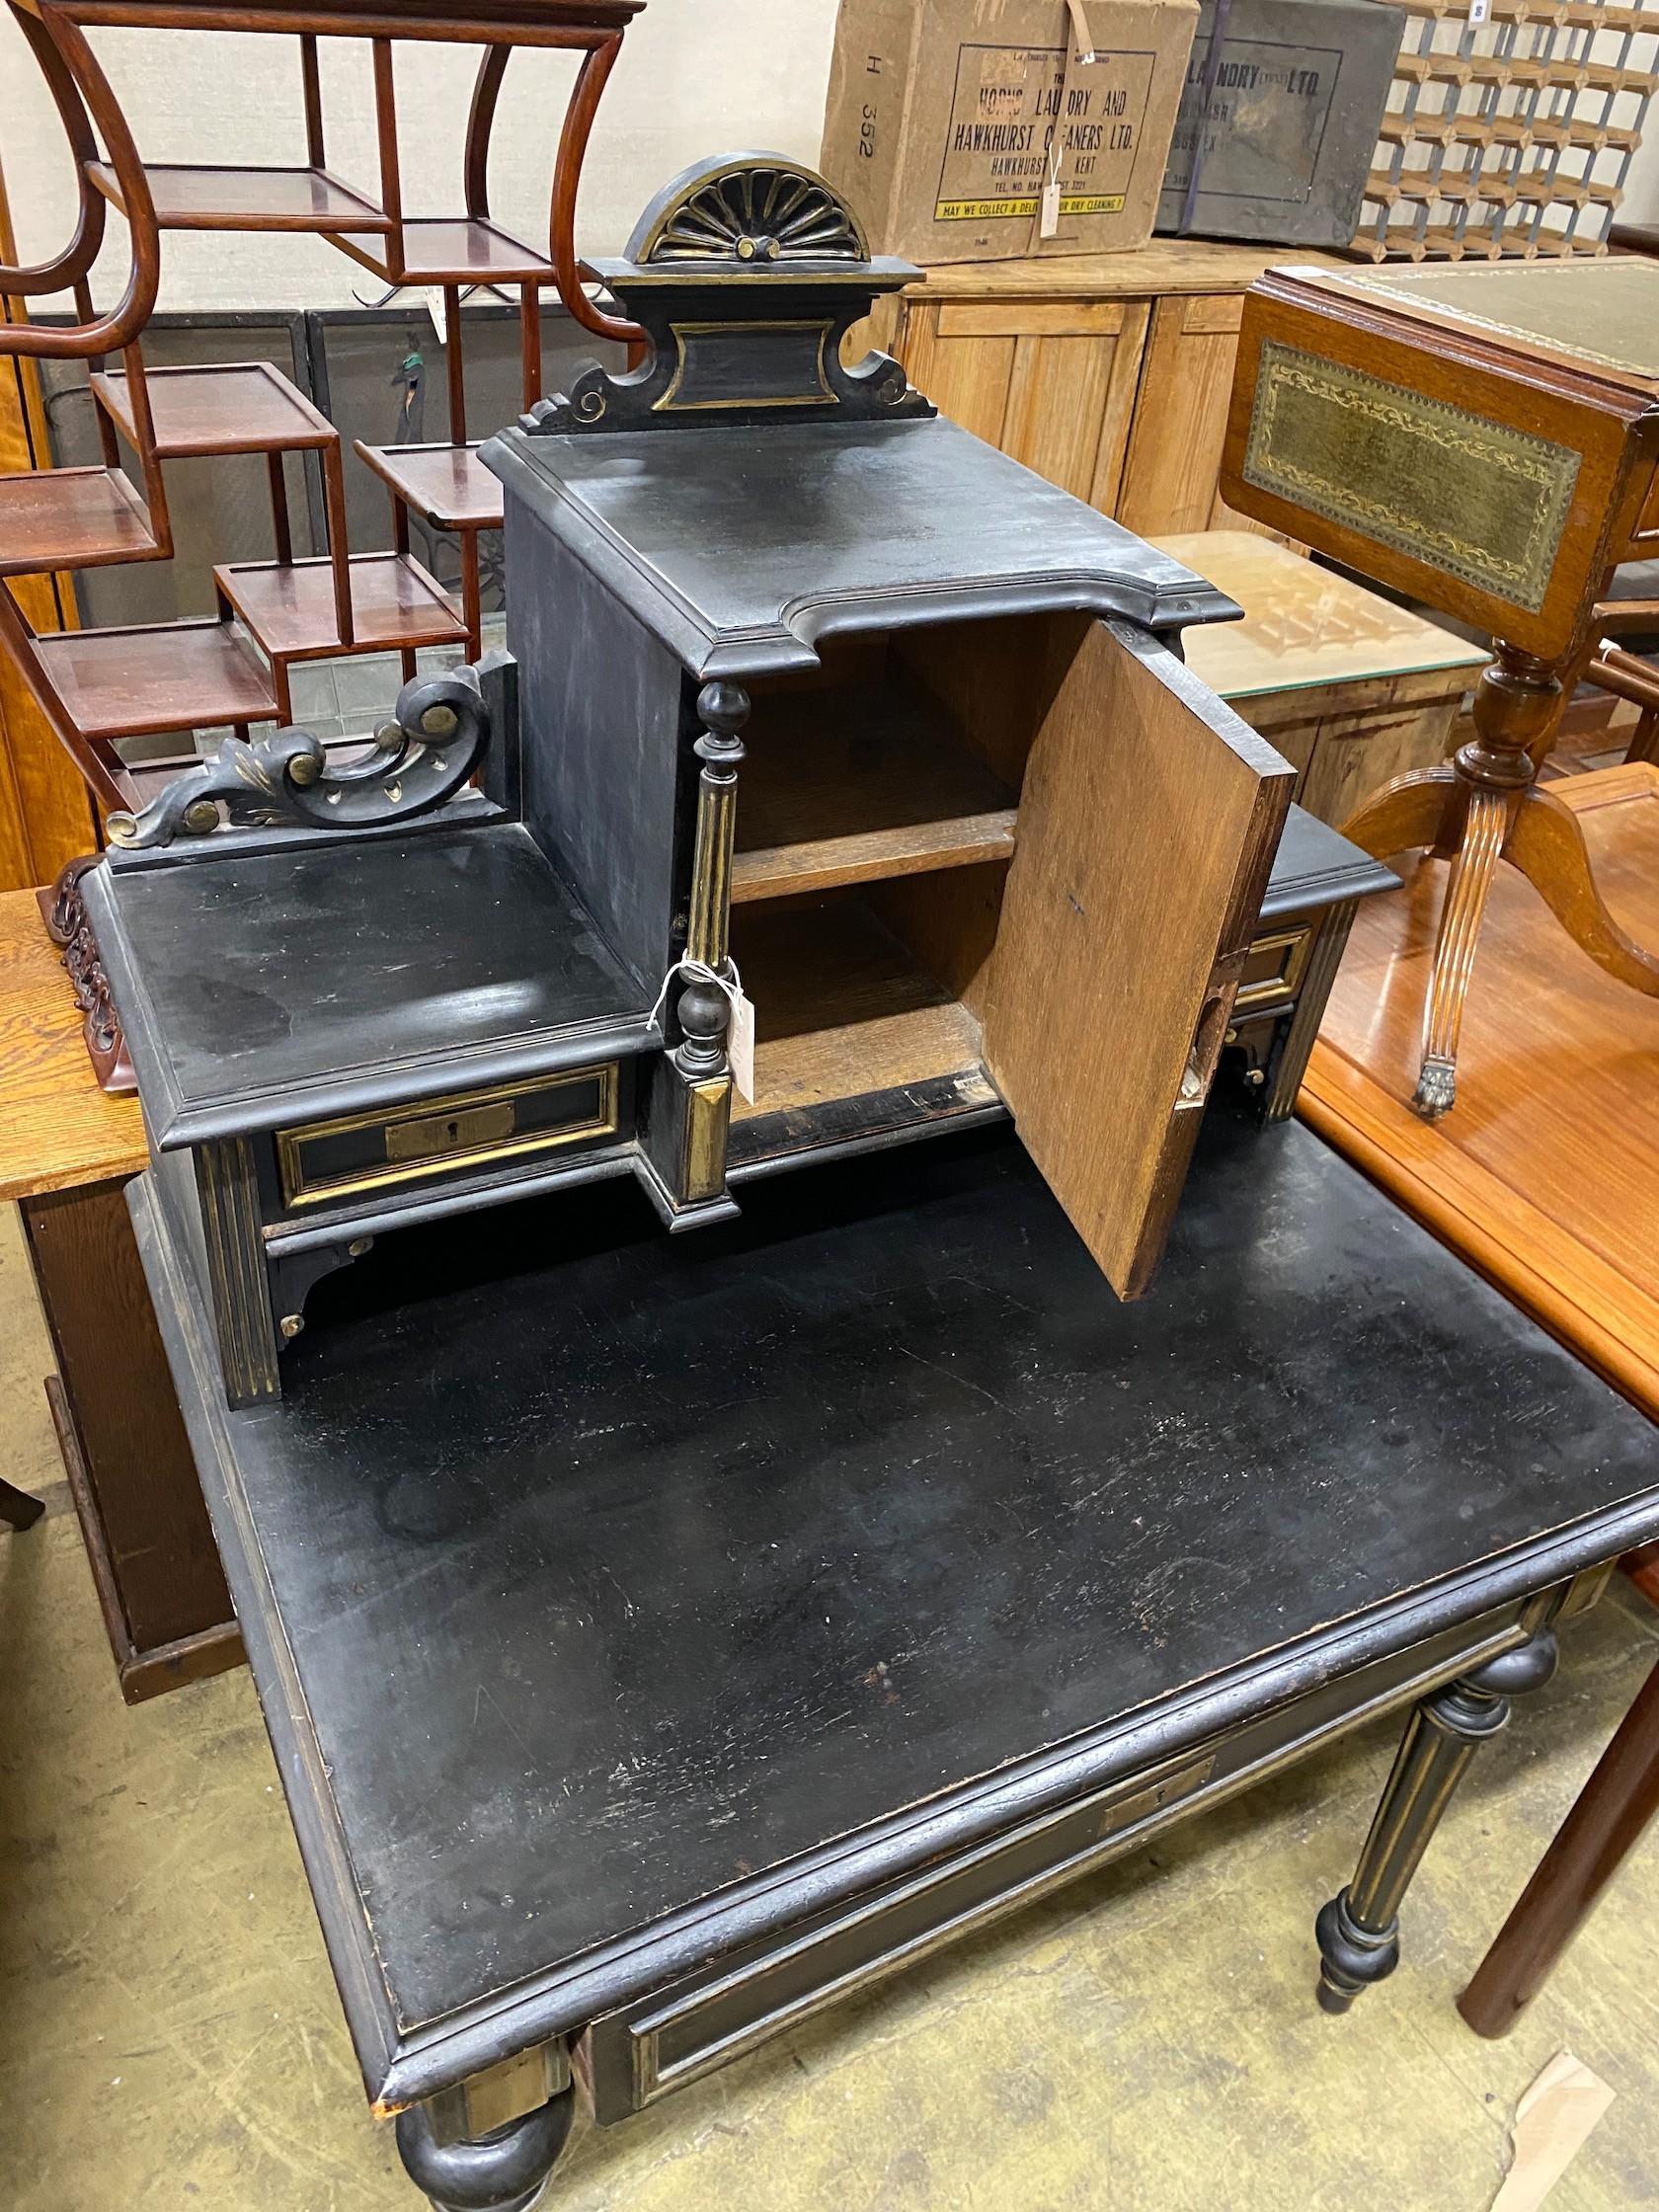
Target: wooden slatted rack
pixel 1509 129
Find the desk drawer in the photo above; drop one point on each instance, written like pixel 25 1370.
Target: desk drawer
pixel 1273 968
pixel 325 1161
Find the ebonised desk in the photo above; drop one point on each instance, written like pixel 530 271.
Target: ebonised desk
pixel 660 1638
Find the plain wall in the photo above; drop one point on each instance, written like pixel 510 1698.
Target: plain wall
pixel 695 77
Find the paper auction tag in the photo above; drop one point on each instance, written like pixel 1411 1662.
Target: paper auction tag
pixel 438 308
pixel 740 1045
pixel 739 1029
pixel 1048 222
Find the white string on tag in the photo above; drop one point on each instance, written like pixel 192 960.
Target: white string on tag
pixel 739 1039
pixel 1080 48
pixel 1049 223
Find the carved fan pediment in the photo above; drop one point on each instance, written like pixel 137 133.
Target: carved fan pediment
pixel 759 214
pixel 746 273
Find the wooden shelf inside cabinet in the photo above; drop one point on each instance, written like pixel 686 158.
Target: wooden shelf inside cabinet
pixel 197 197
pixel 842 1008
pixel 852 784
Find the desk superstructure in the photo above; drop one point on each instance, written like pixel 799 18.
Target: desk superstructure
pixel 808 688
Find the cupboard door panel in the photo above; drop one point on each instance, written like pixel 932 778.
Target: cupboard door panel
pixel 1067 396
pixel 966 378
pixel 1174 464
pixel 1147 823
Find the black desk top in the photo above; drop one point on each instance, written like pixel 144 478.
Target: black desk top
pixel 619 1580
pixel 740 548
pixel 323 977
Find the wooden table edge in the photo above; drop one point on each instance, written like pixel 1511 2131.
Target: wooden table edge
pixel 1558 1281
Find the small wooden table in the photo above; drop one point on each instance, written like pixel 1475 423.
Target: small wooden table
pixel 1544 1180
pixel 1352 689
pixel 66 1154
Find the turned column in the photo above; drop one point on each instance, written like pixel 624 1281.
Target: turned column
pixel 1358 1931
pixel 690 1103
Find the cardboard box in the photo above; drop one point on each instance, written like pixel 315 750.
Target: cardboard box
pixel 1287 141
pixel 947 119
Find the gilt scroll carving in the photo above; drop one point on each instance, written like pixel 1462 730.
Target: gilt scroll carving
pixel 419 759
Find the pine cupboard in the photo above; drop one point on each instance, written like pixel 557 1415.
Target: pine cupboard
pixel 1107 373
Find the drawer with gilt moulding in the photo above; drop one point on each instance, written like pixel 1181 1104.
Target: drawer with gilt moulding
pixel 357 1154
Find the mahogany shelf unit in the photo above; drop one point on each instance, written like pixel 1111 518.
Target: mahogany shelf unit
pixel 240 407
pixel 449 489
pixel 287 610
pixel 74 519
pixel 452 250
pixel 51 522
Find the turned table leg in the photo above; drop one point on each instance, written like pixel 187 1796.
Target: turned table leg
pixel 1517 699
pixel 504 2171
pixel 1613 1807
pixel 1454 961
pixel 1487 808
pixel 1359 1930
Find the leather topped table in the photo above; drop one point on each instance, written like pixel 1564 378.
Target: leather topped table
pixel 661 1636
pixel 1546 1179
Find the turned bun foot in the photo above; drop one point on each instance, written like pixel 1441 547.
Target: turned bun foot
pixel 504 2172
pixel 1351 1957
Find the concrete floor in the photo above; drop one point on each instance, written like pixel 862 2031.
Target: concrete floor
pixel 170 2036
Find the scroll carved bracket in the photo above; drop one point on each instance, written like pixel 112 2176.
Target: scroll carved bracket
pixel 69 926
pixel 420 758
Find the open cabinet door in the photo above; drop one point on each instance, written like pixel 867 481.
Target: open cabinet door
pixel 1147 823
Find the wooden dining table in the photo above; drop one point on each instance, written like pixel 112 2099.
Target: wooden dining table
pixel 1545 1177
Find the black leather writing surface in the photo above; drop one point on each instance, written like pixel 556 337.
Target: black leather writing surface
pixel 652 1562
